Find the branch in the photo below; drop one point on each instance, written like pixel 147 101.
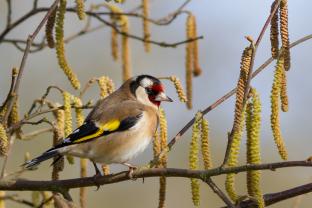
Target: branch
pixel 63 186
pixel 279 196
pixel 219 192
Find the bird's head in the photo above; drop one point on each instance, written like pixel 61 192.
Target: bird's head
pixel 148 90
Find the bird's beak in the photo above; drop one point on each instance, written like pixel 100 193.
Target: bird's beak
pixel 163 97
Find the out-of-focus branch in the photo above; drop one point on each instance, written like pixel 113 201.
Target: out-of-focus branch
pixel 9 13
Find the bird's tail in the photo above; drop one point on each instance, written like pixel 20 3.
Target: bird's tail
pixel 45 156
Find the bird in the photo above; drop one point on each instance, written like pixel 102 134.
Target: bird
pixel 117 129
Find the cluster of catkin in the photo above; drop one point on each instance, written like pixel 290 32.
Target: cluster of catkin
pixel 57 19
pixel 200 130
pixel 191 59
pixel 238 121
pixel 280 18
pixel 160 145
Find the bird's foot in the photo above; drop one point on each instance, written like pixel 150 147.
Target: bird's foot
pixel 132 168
pixel 96 176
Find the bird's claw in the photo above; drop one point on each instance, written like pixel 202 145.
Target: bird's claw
pixel 95 177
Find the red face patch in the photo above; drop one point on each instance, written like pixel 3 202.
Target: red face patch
pixel 158 87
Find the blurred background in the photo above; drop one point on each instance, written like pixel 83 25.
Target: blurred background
pixel 223 25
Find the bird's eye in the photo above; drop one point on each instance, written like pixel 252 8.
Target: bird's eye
pixel 150 91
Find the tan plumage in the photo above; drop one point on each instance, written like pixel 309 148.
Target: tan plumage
pixel 118 128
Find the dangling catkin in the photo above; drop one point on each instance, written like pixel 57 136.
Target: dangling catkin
pixel 196 68
pixel 253 125
pixel 14 117
pixel 233 159
pixel 58 135
pixel 241 85
pixel 193 157
pixel 35 198
pixel 114 44
pixel 274 33
pixel 60 48
pixel 68 128
pixel 283 93
pixel 275 118
pixel 205 144
pixel 179 89
pixel 103 86
pixel 126 65
pixel 80 7
pixel 46 195
pixel 83 190
pixel 189 60
pixel 284 33
pixel 156 146
pixel 2 201
pixel 146 29
pixel 78 111
pixel 163 161
pixel 49 29
pixel 3 141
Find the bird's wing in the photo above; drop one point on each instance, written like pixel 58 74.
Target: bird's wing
pixel 121 117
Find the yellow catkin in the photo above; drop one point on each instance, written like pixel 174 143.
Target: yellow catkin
pixel 80 7
pixel 163 134
pixel 105 169
pixel 46 195
pixel 58 135
pixel 205 144
pixel 2 201
pixel 114 44
pixel 156 146
pixel 27 156
pixel 283 93
pixel 49 29
pixel 193 158
pixel 274 33
pixel 126 65
pixel 14 118
pixel 241 85
pixel 196 68
pixel 179 89
pixel 284 33
pixel 146 28
pixel 103 86
pixel 83 190
pixel 60 48
pixel 4 144
pixel 233 159
pixel 253 125
pixel 68 128
pixel 188 61
pixel 78 111
pixel 35 198
pixel 275 118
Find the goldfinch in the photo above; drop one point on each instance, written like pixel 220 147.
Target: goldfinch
pixel 118 128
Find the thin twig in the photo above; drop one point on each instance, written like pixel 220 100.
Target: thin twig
pixel 16 199
pixel 219 192
pixel 9 14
